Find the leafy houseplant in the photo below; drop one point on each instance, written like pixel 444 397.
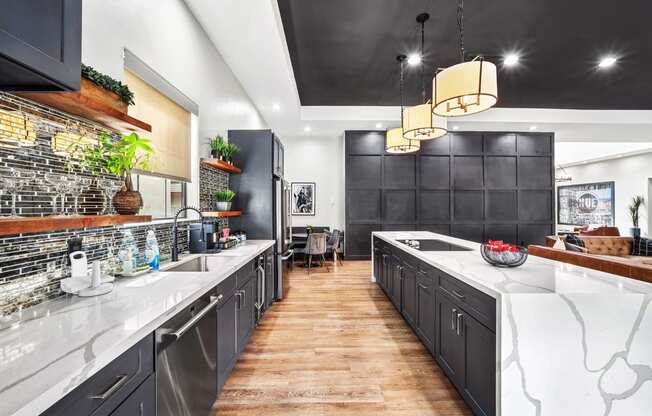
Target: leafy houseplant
pixel 223 199
pixel 217 145
pixel 121 158
pixel 108 83
pixel 228 151
pixel 634 207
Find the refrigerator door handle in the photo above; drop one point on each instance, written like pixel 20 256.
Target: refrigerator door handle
pixel 287 255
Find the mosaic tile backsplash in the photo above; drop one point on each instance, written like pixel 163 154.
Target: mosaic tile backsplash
pixel 31 265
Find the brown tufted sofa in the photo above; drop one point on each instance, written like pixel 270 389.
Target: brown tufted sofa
pixel 607 254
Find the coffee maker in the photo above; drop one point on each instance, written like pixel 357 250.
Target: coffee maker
pixel 203 238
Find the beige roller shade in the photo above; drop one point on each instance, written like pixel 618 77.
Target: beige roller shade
pixel 170 128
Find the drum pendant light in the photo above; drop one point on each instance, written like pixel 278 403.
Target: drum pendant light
pixel 465 88
pixel 419 122
pixel 394 140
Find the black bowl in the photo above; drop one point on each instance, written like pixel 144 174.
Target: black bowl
pixel 504 259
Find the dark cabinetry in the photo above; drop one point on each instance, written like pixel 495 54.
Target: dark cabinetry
pixel 455 321
pixel 40 45
pixel 227 347
pixel 246 319
pixel 142 402
pixel 269 278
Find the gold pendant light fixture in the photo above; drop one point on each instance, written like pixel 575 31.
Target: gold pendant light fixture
pixel 395 142
pixel 465 88
pixel 419 122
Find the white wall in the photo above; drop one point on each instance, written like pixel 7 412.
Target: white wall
pixel 630 175
pixel 166 36
pixel 319 160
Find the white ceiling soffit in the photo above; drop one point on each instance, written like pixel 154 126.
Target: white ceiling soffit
pixel 252 42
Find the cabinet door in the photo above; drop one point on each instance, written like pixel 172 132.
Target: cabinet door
pixel 40 45
pixel 408 293
pixel 227 351
pixel 378 265
pixel 387 274
pixel 425 319
pixel 480 367
pixel 246 311
pixel 281 160
pixel 396 276
pixel 141 402
pixel 449 349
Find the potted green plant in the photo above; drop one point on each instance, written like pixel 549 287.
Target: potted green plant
pixel 228 151
pixel 634 207
pixel 120 157
pixel 217 146
pixel 223 199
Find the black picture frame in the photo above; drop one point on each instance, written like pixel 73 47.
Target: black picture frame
pixel 313 202
pixel 588 186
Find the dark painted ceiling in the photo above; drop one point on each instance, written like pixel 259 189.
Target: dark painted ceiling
pixel 343 51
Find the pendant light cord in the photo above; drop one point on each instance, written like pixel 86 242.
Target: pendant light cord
pixel 423 64
pixel 401 60
pixel 460 25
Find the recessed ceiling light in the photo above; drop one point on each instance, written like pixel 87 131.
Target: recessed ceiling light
pixel 607 62
pixel 532 128
pixel 414 59
pixel 307 129
pixel 456 127
pixel 276 107
pixel 511 59
pixel 379 125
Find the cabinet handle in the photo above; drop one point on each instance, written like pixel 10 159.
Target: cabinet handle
pixel 244 298
pixel 460 318
pixel 458 295
pixel 422 286
pixel 190 323
pixel 238 305
pixel 119 382
pixel 453 312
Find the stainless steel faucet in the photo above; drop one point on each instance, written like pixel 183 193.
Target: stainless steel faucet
pixel 175 249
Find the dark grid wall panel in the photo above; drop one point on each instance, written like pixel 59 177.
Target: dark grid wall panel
pixel 472 185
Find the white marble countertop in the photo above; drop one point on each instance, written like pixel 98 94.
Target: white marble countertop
pixel 569 340
pixel 537 275
pixel 48 350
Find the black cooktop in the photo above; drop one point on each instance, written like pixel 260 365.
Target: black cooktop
pixel 433 245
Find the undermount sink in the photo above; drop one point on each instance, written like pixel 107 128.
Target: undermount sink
pixel 204 264
pixel 198 264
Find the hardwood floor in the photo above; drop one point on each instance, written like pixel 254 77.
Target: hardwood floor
pixel 336 346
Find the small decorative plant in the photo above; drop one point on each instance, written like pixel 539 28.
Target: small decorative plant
pixel 228 151
pixel 120 157
pixel 108 83
pixel 217 146
pixel 223 199
pixel 637 202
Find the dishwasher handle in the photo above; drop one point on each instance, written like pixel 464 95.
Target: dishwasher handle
pixel 185 327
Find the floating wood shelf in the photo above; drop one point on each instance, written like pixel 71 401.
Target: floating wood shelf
pixel 221 214
pixel 13 226
pixel 89 108
pixel 221 165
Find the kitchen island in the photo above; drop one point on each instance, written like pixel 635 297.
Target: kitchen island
pixel 50 351
pixel 560 340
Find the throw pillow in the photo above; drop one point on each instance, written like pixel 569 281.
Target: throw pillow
pixel 573 239
pixel 575 248
pixel 641 247
pixel 559 244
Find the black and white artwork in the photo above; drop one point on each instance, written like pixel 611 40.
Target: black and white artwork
pixel 303 198
pixel 586 204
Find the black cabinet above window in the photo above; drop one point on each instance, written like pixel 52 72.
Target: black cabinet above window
pixel 40 45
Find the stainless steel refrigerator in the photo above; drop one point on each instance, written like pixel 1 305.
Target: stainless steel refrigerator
pixel 264 198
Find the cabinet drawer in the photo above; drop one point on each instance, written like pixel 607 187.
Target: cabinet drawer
pixel 226 287
pixel 103 392
pixel 142 402
pixel 479 305
pixel 245 273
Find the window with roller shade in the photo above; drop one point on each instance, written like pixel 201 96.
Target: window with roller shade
pixel 170 128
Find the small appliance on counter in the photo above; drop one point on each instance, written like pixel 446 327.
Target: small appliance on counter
pixel 204 238
pixel 80 283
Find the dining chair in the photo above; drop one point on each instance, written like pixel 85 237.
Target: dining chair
pixel 333 244
pixel 316 246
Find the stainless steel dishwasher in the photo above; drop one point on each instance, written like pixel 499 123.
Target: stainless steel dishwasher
pixel 186 360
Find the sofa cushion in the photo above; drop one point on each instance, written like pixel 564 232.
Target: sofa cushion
pixel 611 246
pixel 602 231
pixel 641 247
pixel 573 247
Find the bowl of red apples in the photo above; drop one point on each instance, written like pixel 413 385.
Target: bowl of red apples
pixel 500 254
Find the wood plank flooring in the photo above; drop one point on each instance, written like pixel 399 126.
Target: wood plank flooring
pixel 336 346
